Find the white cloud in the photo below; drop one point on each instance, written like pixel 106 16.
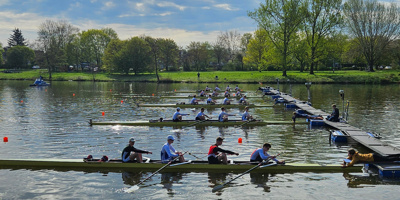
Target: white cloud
pixel 225 6
pixel 4 2
pixel 108 5
pixel 170 4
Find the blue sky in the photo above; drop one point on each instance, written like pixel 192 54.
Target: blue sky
pixel 181 20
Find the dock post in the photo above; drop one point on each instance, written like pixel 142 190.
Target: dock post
pixel 308 85
pixel 341 92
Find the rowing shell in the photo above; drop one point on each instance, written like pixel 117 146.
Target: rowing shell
pixel 204 105
pixel 194 166
pixel 195 123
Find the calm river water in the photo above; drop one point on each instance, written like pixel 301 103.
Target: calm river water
pixel 52 122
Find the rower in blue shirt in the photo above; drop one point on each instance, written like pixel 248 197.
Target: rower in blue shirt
pixel 201 116
pixel 169 153
pixel 217 88
pixel 226 101
pixel 243 100
pixel 178 116
pixel 223 116
pixel 202 93
pixel 246 116
pixel 210 100
pixel 227 93
pixel 261 154
pixel 194 101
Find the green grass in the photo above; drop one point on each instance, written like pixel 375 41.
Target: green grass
pixel 385 76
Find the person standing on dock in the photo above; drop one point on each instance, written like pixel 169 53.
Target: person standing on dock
pixel 169 153
pixel 223 116
pixel 201 116
pixel 261 154
pixel 356 157
pixel 217 155
pixel 334 116
pixel 178 116
pixel 246 116
pixel 128 156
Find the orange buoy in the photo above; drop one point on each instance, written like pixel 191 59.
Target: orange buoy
pixel 110 90
pixel 240 140
pixel 22 101
pixel 103 113
pixel 234 94
pixel 5 139
pixel 152 94
pixel 73 94
pixel 175 90
pixel 45 90
pixel 122 101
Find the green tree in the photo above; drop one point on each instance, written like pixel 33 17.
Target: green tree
pixel 281 19
pixel 169 52
pixel 322 19
pixel 20 57
pixel 16 39
pixel 373 25
pixel 135 55
pixel 1 54
pixel 93 43
pixel 301 51
pixel 111 55
pixel 74 52
pixel 219 51
pixel 155 52
pixel 257 49
pixel 198 54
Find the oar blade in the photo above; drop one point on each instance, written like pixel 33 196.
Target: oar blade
pixel 216 188
pixel 132 189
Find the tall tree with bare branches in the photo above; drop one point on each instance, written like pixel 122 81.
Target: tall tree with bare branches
pixel 373 25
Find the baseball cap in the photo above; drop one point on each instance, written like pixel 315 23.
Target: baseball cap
pixel 220 138
pixel 132 139
pixel 170 137
pixel 178 108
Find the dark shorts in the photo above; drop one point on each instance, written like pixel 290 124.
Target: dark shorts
pixel 175 120
pixel 197 118
pixel 213 160
pixel 258 159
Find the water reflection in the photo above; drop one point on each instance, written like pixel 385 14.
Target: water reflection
pixel 258 179
pixel 367 180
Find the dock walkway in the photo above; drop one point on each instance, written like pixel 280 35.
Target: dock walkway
pixel 355 133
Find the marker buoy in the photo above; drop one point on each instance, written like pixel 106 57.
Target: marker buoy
pixel 240 140
pixel 22 101
pixel 122 101
pixel 110 90
pixel 5 139
pixel 103 113
pixel 152 94
pixel 234 94
pixel 73 94
pixel 175 90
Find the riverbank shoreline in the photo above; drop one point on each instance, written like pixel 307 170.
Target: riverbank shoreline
pixel 234 77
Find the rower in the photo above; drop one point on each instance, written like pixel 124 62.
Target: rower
pixel 202 93
pixel 194 101
pixel 217 88
pixel 237 88
pixel 178 116
pixel 227 93
pixel 226 101
pixel 355 157
pixel 246 116
pixel 169 153
pixel 215 93
pixel 207 88
pixel 128 156
pixel 223 116
pixel 334 117
pixel 261 154
pixel 237 94
pixel 201 116
pixel 214 157
pixel 228 88
pixel 243 100
pixel 210 101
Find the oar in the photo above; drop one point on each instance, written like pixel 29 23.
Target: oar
pixel 199 122
pixel 252 120
pixel 136 187
pixel 219 187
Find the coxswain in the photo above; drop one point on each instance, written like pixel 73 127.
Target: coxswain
pixel 201 116
pixel 226 101
pixel 178 116
pixel 130 153
pixel 246 116
pixel 356 157
pixel 169 153
pixel 223 116
pixel 261 154
pixel 217 155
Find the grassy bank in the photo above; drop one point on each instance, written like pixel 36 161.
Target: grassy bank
pixel 384 76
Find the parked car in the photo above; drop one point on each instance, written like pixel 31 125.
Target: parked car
pixel 388 67
pixel 36 67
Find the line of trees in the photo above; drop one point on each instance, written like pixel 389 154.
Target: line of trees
pixel 304 35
